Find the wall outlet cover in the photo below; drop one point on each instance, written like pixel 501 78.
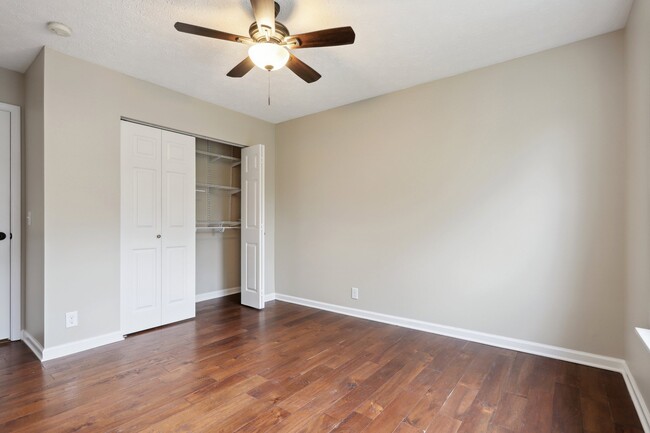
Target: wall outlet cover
pixel 355 293
pixel 71 319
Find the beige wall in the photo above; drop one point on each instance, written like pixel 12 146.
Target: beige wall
pixel 491 201
pixel 83 105
pixel 32 186
pixel 218 258
pixel 637 45
pixel 12 87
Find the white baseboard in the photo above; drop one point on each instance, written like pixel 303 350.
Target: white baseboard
pixel 200 297
pixel 561 353
pixel 33 344
pixel 54 352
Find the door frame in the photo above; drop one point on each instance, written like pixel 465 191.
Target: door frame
pixel 15 308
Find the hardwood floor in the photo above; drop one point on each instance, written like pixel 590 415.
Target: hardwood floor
pixel 296 369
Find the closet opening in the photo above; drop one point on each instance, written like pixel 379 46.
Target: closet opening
pixel 218 219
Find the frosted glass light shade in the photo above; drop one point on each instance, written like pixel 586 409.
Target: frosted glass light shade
pixel 268 56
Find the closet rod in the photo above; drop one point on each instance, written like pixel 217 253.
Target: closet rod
pixel 219 229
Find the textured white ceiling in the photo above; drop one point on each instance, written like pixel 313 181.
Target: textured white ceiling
pixel 399 44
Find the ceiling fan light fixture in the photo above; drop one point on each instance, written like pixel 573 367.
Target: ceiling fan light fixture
pixel 268 56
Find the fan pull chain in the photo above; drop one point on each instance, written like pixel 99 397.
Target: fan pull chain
pixel 269 88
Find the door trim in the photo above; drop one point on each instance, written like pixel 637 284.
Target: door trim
pixel 15 222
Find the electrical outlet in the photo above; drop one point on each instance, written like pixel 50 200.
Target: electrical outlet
pixel 29 218
pixel 71 319
pixel 355 293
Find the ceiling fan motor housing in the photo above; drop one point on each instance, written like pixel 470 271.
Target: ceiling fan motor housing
pixel 281 32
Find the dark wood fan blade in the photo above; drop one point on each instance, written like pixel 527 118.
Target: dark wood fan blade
pixel 210 33
pixel 324 38
pixel 302 70
pixel 242 68
pixel 264 11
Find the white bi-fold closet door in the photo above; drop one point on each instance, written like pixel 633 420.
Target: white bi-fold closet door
pixel 157 227
pixel 5 224
pixel 252 226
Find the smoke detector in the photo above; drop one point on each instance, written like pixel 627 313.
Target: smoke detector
pixel 59 29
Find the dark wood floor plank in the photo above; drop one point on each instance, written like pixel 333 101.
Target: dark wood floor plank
pixel 592 383
pixel 478 368
pixel 428 406
pixel 495 382
pixel 276 390
pixel 337 383
pixel 390 389
pixel 265 421
pixel 521 374
pixel 347 404
pixel 539 412
pixel 623 411
pixel 567 412
pixel 312 402
pixel 393 415
pixel 477 419
pixel 443 424
pixel 493 428
pixel 459 402
pixel 567 373
pixel 406 428
pixel 354 423
pixel 510 412
pixel 596 416
pixel 143 419
pixel 291 369
pixel 319 423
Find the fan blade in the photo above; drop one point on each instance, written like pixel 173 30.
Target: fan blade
pixel 264 11
pixel 210 33
pixel 302 70
pixel 323 38
pixel 242 68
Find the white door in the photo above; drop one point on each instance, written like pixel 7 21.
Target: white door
pixel 141 227
pixel 178 227
pixel 252 226
pixel 5 224
pixel 158 227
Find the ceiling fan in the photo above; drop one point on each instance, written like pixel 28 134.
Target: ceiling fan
pixel 270 42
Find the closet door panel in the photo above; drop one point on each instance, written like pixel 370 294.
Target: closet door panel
pixel 145 186
pixel 178 227
pixel 141 248
pixel 176 274
pixel 252 227
pixel 145 281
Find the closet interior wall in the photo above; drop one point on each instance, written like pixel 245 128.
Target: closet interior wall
pixel 218 217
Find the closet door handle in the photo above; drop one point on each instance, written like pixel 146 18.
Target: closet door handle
pixel 3 236
pixel 158 236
